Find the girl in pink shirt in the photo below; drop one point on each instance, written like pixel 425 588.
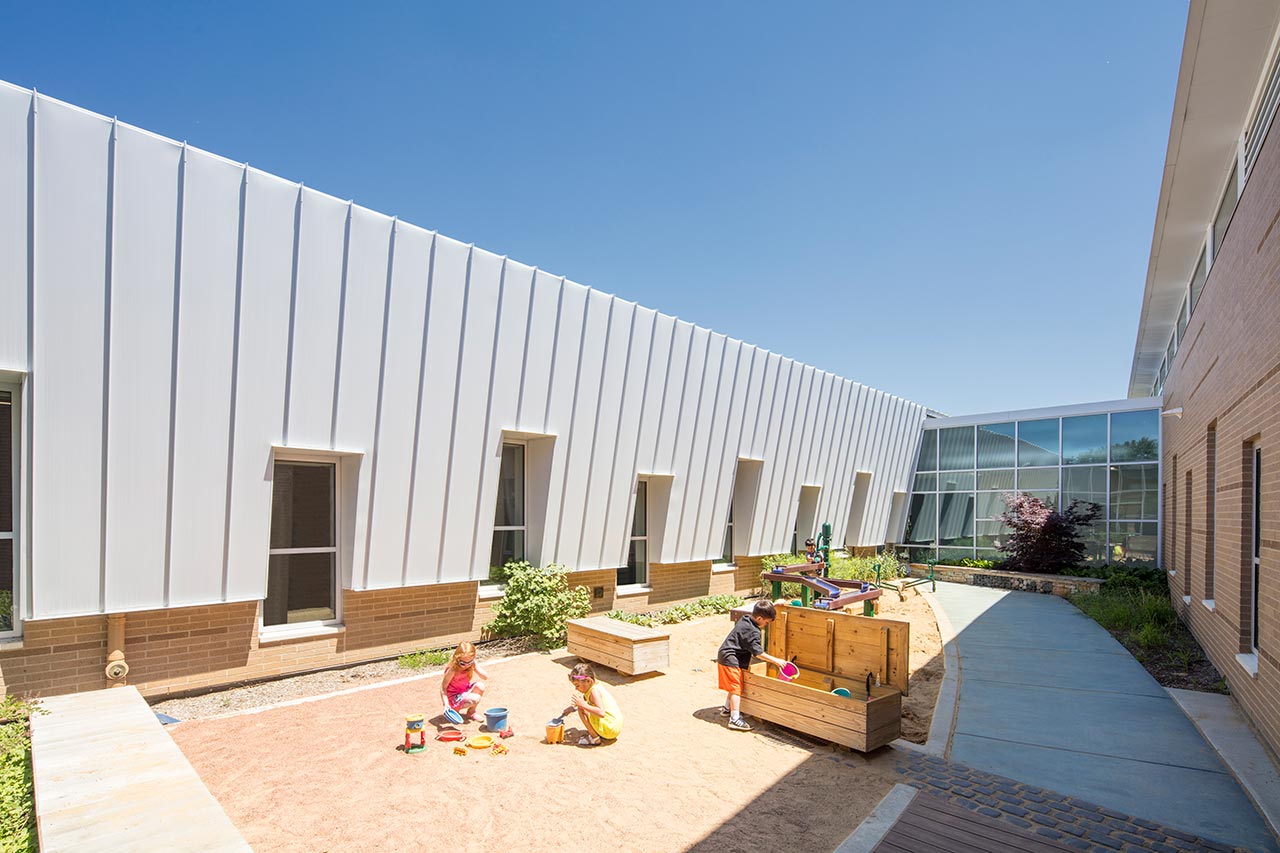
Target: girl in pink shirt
pixel 463 682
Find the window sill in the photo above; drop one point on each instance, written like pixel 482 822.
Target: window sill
pixel 1186 599
pixel 11 645
pixel 488 592
pixel 1249 663
pixel 721 568
pixel 632 589
pixel 1173 573
pixel 1209 605
pixel 293 635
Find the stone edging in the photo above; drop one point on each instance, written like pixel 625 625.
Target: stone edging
pixel 1060 585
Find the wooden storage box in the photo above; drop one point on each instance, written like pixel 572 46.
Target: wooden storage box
pixel 833 650
pixel 630 649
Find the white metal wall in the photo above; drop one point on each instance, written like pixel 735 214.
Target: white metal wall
pixel 177 315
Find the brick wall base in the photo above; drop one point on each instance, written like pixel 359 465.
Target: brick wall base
pixel 192 649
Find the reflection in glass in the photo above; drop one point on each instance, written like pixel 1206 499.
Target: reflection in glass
pixel 1048 498
pixel 1084 440
pixel 990 534
pixel 928 458
pixel 996 445
pixel 922 555
pixel 991 504
pixel 925 483
pixel 1197 281
pixel 1094 537
pixel 508 545
pixel 922 520
pixel 1133 542
pixel 955 481
pixel 955 518
pixel 996 480
pixel 955 448
pixel 951 555
pixel 1135 491
pixel 1037 478
pixel 302 505
pixel 1038 442
pixel 635 571
pixel 640 522
pixel 1088 484
pixel 510 511
pixel 1135 436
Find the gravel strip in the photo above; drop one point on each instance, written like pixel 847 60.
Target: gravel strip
pixel 229 700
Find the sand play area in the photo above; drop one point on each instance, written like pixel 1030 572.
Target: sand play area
pixel 330 774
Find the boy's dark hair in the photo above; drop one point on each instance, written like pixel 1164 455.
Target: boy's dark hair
pixel 808 542
pixel 764 609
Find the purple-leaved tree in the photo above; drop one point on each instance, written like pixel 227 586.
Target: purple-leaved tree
pixel 1041 539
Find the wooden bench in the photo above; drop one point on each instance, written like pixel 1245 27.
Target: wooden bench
pixel 630 649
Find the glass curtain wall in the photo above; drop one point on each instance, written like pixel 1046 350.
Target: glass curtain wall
pixel 964 474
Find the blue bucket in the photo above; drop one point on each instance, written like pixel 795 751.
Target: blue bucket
pixel 495 719
pixel 452 716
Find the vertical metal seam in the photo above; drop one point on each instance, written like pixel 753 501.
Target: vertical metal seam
pixel 684 392
pixel 235 378
pixel 524 358
pixel 453 424
pixel 173 377
pixel 662 406
pixel 644 395
pixel 377 406
pixel 719 470
pixel 488 413
pixel 293 309
pixel 108 280
pixel 595 430
pixel 551 370
pixel 617 433
pixel 342 320
pixel 693 441
pixel 417 415
pixel 573 415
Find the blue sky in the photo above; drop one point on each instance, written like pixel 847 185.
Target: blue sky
pixel 952 202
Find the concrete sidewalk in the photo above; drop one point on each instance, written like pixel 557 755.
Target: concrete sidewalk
pixel 1049 698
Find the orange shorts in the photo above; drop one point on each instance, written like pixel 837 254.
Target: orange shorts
pixel 730 678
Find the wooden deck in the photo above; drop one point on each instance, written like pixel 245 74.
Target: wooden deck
pixel 932 825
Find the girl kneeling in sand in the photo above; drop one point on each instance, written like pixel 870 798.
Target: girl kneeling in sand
pixel 596 706
pixel 463 683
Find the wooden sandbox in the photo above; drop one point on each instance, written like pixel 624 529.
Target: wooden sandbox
pixel 833 650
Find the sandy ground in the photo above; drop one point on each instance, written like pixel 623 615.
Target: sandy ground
pixel 330 774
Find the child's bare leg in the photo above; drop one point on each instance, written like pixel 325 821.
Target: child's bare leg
pixel 735 705
pixel 592 734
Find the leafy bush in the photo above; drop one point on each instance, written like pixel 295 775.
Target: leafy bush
pixel 1132 578
pixel 17 804
pixel 425 658
pixel 1042 539
pixel 6 610
pixel 537 602
pixel 706 606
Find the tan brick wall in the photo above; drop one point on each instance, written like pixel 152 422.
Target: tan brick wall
pixel 1227 376
pixel 189 649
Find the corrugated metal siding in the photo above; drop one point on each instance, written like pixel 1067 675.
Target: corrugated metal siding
pixel 190 313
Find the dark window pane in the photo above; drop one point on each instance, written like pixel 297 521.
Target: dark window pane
pixel 955 448
pixel 510 511
pixel 302 505
pixel 955 519
pixel 508 545
pixel 1084 440
pixel 922 555
pixel 1135 436
pixel 1225 208
pixel 1038 442
pixel 6 463
pixel 996 445
pixel 928 458
pixel 640 522
pixel 726 552
pixel 922 520
pixel 996 480
pixel 1135 491
pixel 637 564
pixel 6 585
pixel 300 588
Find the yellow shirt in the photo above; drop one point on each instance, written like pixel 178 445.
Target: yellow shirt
pixel 610 725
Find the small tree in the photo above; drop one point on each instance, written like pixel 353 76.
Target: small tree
pixel 538 602
pixel 1042 538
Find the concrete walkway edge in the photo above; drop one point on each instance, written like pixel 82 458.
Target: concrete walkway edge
pixel 1227 731
pixel 944 709
pixel 886 813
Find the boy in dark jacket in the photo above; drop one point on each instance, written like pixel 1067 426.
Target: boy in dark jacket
pixel 743 643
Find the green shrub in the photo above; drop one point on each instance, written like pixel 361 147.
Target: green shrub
pixel 537 602
pixel 1150 635
pixel 6 610
pixel 17 805
pixel 425 658
pixel 706 606
pixel 1132 578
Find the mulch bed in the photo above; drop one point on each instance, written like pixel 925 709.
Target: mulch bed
pixel 1179 663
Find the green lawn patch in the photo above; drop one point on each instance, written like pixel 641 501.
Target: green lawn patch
pixel 17 803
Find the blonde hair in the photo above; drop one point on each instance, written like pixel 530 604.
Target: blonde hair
pixel 582 670
pixel 464 648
